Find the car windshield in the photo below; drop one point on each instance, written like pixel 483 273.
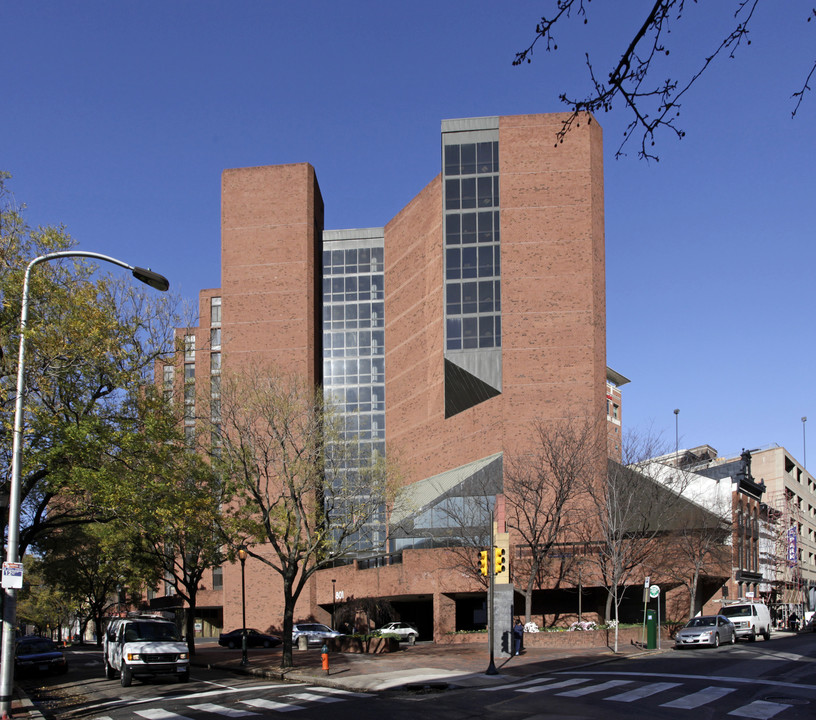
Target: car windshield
pixel 701 622
pixel 33 647
pixel 735 611
pixel 151 631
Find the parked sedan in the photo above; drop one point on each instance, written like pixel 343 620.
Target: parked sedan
pixel 706 630
pixel 232 639
pixel 38 655
pixel 402 629
pixel 315 633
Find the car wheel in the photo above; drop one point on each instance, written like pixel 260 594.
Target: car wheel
pixel 733 638
pixel 231 644
pixel 184 677
pixel 717 640
pixel 752 636
pixel 127 676
pixel 767 634
pixel 110 673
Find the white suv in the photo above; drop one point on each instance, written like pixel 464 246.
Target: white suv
pixel 142 646
pixel 402 629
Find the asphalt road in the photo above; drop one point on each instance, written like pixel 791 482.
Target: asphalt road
pixel 775 679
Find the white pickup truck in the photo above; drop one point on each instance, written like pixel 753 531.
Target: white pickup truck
pixel 144 646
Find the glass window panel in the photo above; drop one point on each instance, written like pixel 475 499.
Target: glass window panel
pixel 364 310
pixel 498 330
pixel 451 160
pixel 469 228
pixel 486 331
pixel 469 262
pixel 337 285
pixel 468 193
pixel 376 259
pixel 351 260
pixel 350 311
pixel 497 260
pixel 485 227
pixel 496 191
pixel 485 192
pixel 453 298
pixel 351 288
pixel 327 376
pixel 327 313
pixel 189 372
pixel 468 159
pixel 326 287
pixel 337 371
pixel 378 397
pixel 337 258
pixel 497 294
pixel 326 259
pixel 377 284
pixel 452 201
pixel 351 369
pixel 351 339
pixel 469 299
pixel 452 231
pixel 215 310
pixel 486 297
pixel 215 338
pixel 486 262
pixel 453 270
pixel 364 287
pixel 484 157
pixel 454 330
pixel 470 333
pixel 327 341
pixel 364 260
pixel 377 314
pixel 496 156
pixel 377 371
pixel 378 340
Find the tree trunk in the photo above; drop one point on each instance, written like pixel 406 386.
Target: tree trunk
pixel 189 621
pixel 288 615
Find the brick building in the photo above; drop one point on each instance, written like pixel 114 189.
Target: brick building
pixel 478 309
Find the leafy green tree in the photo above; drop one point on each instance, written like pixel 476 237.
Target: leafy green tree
pixel 89 337
pixel 172 499
pixel 41 604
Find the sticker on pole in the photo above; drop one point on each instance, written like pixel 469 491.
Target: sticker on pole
pixel 12 575
pixel 654 591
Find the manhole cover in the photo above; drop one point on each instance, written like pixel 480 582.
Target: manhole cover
pixel 426 687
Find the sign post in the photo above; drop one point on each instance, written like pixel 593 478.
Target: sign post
pixel 654 592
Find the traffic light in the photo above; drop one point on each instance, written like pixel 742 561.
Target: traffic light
pixel 499 560
pixel 483 562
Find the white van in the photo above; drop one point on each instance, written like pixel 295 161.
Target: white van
pixel 137 646
pixel 750 619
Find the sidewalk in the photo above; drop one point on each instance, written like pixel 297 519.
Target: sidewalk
pixel 417 666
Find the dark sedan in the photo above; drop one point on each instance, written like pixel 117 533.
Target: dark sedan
pixel 38 655
pixel 232 639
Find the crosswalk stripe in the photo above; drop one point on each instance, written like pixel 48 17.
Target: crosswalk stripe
pixel 222 710
pixel 699 698
pixel 761 709
pixel 580 692
pixel 158 714
pixel 338 691
pixel 272 705
pixel 643 692
pixel 506 686
pixel 555 686
pixel 312 697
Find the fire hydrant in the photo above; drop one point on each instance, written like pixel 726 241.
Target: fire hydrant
pixel 324 656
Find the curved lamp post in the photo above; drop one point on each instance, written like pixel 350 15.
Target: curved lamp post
pixel 10 600
pixel 242 556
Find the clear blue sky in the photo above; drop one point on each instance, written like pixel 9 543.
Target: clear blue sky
pixel 118 118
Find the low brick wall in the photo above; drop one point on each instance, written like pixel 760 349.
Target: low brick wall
pixel 576 638
pixel 371 645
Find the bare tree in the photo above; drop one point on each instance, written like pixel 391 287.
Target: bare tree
pixel 302 485
pixel 653 105
pixel 626 513
pixel 543 486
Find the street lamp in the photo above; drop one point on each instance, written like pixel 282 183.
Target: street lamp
pixel 12 549
pixel 677 437
pixel 242 556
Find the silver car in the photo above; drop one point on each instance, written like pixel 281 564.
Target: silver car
pixel 706 630
pixel 315 633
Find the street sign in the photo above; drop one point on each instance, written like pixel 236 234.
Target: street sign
pixel 654 591
pixel 12 575
pixel 646 581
